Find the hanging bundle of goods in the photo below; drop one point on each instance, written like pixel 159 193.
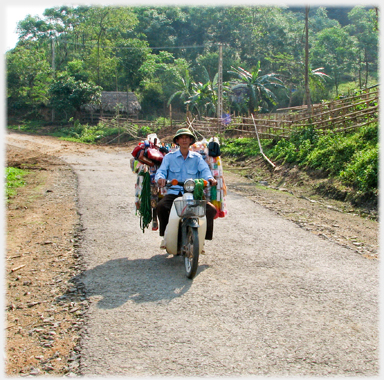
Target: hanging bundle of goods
pixel 210 150
pixel 147 158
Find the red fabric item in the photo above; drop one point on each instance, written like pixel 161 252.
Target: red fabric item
pixel 154 154
pixel 137 150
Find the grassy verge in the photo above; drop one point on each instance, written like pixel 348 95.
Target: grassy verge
pixel 92 134
pixel 14 180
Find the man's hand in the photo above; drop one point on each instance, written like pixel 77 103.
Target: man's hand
pixel 212 181
pixel 161 182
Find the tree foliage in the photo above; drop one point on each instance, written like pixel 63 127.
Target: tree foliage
pixel 148 50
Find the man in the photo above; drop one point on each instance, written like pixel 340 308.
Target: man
pixel 181 165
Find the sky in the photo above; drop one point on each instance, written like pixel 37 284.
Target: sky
pixel 13 16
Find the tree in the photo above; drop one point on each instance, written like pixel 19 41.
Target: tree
pixel 363 27
pixel 131 55
pixel 335 50
pixel 28 78
pixel 68 95
pixel 112 46
pixel 258 87
pixel 106 24
pixel 160 72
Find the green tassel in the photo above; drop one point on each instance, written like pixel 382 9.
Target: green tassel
pixel 145 202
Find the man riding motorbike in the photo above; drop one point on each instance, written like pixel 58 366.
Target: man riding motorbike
pixel 182 164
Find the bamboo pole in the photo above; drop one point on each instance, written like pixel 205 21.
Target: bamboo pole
pixel 261 149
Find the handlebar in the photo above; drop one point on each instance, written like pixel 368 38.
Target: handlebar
pixel 175 182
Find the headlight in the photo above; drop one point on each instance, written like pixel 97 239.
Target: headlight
pixel 189 185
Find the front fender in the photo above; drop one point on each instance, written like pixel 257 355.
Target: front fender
pixel 192 222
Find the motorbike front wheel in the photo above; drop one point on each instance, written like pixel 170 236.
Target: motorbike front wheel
pixel 191 254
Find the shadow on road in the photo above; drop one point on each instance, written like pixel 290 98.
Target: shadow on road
pixel 157 279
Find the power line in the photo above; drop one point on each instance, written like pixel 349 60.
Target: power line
pixel 136 47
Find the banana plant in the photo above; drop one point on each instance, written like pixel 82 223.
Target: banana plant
pixel 184 86
pixel 205 95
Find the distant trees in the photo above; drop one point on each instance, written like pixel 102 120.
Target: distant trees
pixel 335 50
pixel 149 49
pixel 363 28
pixel 28 78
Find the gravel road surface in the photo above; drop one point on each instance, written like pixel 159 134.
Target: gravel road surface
pixel 269 298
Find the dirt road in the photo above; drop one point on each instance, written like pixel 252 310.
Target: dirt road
pixel 270 298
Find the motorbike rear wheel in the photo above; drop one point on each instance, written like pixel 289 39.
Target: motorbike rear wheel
pixel 191 254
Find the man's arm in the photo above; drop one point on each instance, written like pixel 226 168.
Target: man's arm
pixel 161 173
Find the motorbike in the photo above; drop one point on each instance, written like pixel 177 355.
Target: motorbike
pixel 185 232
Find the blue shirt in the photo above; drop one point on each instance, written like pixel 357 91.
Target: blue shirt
pixel 174 166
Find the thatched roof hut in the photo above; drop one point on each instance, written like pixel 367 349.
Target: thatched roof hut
pixel 111 101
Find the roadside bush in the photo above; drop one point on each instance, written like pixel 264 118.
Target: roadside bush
pixel 162 122
pixel 284 150
pixel 297 148
pixel 144 131
pixel 362 171
pixel 85 133
pixel 241 147
pixel 332 154
pixel 27 126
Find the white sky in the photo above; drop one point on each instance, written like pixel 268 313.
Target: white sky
pixel 13 16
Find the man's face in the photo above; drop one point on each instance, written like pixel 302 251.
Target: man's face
pixel 184 141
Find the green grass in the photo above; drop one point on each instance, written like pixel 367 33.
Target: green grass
pixel 14 178
pixel 89 134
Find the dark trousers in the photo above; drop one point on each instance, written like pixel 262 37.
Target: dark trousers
pixel 164 208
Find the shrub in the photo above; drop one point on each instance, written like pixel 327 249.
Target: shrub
pixel 241 147
pixel 362 171
pixel 332 156
pixel 144 131
pixel 284 150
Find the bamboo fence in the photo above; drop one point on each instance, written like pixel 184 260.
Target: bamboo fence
pixel 342 115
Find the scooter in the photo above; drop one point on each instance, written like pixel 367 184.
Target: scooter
pixel 185 232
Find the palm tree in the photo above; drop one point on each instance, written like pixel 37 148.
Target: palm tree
pixel 258 87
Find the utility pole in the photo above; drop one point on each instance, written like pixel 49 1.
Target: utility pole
pixel 307 92
pixel 53 69
pixel 220 87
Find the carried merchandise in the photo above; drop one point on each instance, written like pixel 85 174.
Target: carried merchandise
pixel 147 157
pixel 149 152
pixel 212 157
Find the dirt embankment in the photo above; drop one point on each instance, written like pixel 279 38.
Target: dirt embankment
pixel 45 311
